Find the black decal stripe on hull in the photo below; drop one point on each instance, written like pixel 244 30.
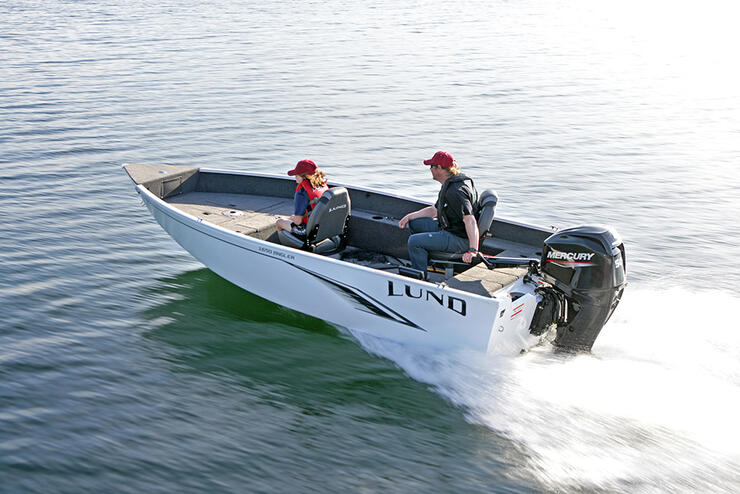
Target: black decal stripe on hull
pixel 366 302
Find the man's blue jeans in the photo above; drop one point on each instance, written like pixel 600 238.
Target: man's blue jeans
pixel 426 236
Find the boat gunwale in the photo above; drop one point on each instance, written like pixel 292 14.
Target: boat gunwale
pixel 369 190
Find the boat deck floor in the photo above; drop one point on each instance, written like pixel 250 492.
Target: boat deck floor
pixel 251 215
pixel 255 216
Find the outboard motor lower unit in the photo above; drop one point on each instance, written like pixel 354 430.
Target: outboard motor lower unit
pixel 586 267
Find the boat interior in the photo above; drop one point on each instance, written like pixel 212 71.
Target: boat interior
pixel 249 204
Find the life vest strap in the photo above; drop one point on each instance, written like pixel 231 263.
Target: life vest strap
pixel 313 197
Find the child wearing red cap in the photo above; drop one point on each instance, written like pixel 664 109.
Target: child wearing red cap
pixel 311 184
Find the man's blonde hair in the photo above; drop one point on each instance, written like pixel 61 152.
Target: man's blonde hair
pixel 454 170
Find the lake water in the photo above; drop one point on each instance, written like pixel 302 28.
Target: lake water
pixel 126 366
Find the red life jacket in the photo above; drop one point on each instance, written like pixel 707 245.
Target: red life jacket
pixel 313 196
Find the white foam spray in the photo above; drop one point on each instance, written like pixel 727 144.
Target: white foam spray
pixel 654 408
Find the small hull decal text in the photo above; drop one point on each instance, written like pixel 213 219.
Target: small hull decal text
pixel 454 304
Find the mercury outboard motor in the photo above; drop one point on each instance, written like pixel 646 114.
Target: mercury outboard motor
pixel 586 267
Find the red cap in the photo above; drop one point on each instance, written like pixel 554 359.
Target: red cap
pixel 304 167
pixel 442 159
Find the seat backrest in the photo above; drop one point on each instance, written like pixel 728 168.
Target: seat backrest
pixel 487 201
pixel 329 216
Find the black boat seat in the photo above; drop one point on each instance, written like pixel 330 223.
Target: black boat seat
pixel 446 260
pixel 326 230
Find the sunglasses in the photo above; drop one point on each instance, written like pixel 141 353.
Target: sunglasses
pixel 433 166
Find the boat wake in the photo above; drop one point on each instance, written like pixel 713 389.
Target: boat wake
pixel 653 409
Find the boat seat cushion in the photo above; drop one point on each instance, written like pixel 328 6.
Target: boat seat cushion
pixel 291 239
pixel 327 225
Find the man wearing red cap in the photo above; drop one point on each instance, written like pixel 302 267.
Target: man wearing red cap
pixel 455 228
pixel 311 185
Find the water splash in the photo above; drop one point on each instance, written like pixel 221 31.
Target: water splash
pixel 652 409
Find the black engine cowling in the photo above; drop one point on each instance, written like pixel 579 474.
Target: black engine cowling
pixel 586 267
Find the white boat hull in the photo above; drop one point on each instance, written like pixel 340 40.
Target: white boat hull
pixel 375 302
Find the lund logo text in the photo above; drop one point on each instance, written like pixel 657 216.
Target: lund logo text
pixel 454 304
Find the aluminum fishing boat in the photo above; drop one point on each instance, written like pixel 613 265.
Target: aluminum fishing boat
pixel 529 284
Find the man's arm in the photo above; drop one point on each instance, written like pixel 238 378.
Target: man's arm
pixel 427 212
pixel 471 228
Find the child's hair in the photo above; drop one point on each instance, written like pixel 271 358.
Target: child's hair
pixel 316 180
